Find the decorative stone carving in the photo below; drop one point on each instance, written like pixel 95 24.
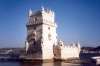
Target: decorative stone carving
pixel 34 35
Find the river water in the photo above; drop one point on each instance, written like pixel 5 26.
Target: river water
pixel 40 64
pixel 82 56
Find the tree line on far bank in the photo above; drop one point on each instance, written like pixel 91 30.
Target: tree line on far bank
pixel 90 49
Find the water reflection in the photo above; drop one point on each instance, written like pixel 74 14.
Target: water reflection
pixel 52 64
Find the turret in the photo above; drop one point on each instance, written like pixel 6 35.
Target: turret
pixel 42 9
pixel 60 44
pixel 73 45
pixel 78 45
pixel 29 13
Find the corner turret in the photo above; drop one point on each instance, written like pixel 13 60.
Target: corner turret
pixel 73 45
pixel 42 9
pixel 78 45
pixel 30 13
pixel 60 44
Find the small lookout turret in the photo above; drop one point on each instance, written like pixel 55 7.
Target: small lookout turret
pixel 29 13
pixel 42 9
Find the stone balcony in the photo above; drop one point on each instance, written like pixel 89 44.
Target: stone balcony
pixel 41 22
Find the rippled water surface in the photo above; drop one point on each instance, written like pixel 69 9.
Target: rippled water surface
pixel 82 56
pixel 40 64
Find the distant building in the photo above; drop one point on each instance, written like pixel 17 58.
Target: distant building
pixel 41 42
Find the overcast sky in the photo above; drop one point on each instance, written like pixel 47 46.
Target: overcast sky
pixel 77 20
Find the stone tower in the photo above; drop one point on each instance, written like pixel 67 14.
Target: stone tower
pixel 41 34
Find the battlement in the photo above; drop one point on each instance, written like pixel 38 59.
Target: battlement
pixel 51 13
pixel 62 46
pixel 68 46
pixel 48 12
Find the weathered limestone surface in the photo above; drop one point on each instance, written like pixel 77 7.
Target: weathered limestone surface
pixel 41 42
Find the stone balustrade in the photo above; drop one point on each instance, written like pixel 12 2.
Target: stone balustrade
pixel 40 22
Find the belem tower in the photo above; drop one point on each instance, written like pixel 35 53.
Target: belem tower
pixel 41 42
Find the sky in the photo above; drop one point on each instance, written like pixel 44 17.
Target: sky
pixel 77 20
